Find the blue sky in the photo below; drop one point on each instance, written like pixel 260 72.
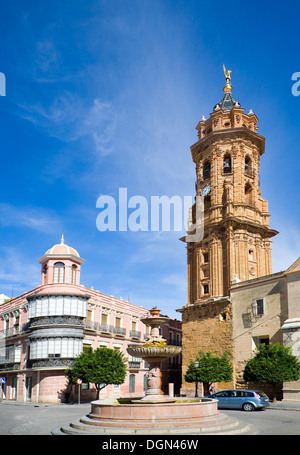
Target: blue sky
pixel 102 95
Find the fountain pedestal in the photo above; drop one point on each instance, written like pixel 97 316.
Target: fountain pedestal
pixel 154 351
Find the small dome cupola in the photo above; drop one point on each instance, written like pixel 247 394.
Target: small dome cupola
pixel 61 264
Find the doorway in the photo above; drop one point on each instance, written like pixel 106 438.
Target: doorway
pixel 28 388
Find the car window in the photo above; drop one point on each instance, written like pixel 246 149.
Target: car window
pixel 248 394
pixel 236 393
pixel 261 394
pixel 223 394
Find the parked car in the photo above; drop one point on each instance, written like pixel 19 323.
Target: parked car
pixel 248 400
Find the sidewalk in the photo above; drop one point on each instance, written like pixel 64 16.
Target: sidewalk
pixel 285 405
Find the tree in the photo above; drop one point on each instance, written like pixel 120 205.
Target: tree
pixel 212 368
pixel 101 367
pixel 273 363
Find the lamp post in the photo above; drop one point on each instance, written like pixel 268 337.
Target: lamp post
pixel 196 365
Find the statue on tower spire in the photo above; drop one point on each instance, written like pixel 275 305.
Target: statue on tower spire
pixel 228 86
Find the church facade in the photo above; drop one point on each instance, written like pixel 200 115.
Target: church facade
pixel 234 302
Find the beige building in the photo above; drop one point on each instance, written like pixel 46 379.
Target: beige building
pixel 234 301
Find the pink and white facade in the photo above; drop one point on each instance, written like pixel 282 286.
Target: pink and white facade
pixel 43 330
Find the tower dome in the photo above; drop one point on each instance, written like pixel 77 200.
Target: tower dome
pixel 62 249
pixel 61 264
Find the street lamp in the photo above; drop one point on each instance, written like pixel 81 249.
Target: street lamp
pixel 196 365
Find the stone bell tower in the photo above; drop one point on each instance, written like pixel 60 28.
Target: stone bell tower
pixel 237 238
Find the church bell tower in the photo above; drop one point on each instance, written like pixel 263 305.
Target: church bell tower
pixel 236 241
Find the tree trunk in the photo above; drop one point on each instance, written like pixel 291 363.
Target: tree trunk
pixel 274 397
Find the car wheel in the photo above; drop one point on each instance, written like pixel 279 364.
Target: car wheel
pixel 248 407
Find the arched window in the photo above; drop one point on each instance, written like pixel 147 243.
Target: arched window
pixel 248 165
pixel 145 383
pixel 206 170
pixel 227 164
pixel 248 194
pixel 132 383
pixel 59 272
pixel 73 278
pixel 207 202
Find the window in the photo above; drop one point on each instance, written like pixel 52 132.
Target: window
pixel 258 307
pixel 223 394
pixel 264 340
pixel 227 164
pixel 248 194
pixel 205 289
pixel 206 170
pixel 59 272
pixel 248 165
pixel 205 258
pixel 145 383
pixel 207 202
pixel 132 383
pixel 73 279
pixel 251 257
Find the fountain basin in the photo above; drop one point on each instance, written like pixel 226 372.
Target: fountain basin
pixel 153 353
pixel 183 413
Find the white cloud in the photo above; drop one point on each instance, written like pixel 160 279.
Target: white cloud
pixel 35 218
pixel 68 119
pixel 17 274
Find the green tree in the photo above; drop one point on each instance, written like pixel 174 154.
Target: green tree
pixel 101 367
pixel 212 368
pixel 273 364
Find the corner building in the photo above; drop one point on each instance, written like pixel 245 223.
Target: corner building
pixel 235 248
pixel 43 330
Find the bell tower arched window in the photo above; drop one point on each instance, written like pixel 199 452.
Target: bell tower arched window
pixel 248 194
pixel 59 272
pixel 206 170
pixel 207 202
pixel 248 165
pixel 227 164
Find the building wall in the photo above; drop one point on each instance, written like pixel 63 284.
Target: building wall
pixel 251 328
pixel 291 327
pixel 48 384
pixel 206 327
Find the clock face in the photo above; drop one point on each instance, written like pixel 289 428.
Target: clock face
pixel 205 191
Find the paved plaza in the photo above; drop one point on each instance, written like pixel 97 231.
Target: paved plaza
pixel 39 419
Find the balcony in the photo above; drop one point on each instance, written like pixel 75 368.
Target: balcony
pixel 91 325
pixel 135 334
pixel 50 363
pixel 173 342
pixel 56 320
pixel 134 365
pixel 106 328
pixel 9 366
pixel 119 331
pixel 15 330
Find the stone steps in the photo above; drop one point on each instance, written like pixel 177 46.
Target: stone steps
pixel 223 425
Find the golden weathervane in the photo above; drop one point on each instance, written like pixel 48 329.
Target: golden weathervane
pixel 228 86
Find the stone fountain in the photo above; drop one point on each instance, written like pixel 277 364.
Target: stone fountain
pixel 154 351
pixel 154 413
